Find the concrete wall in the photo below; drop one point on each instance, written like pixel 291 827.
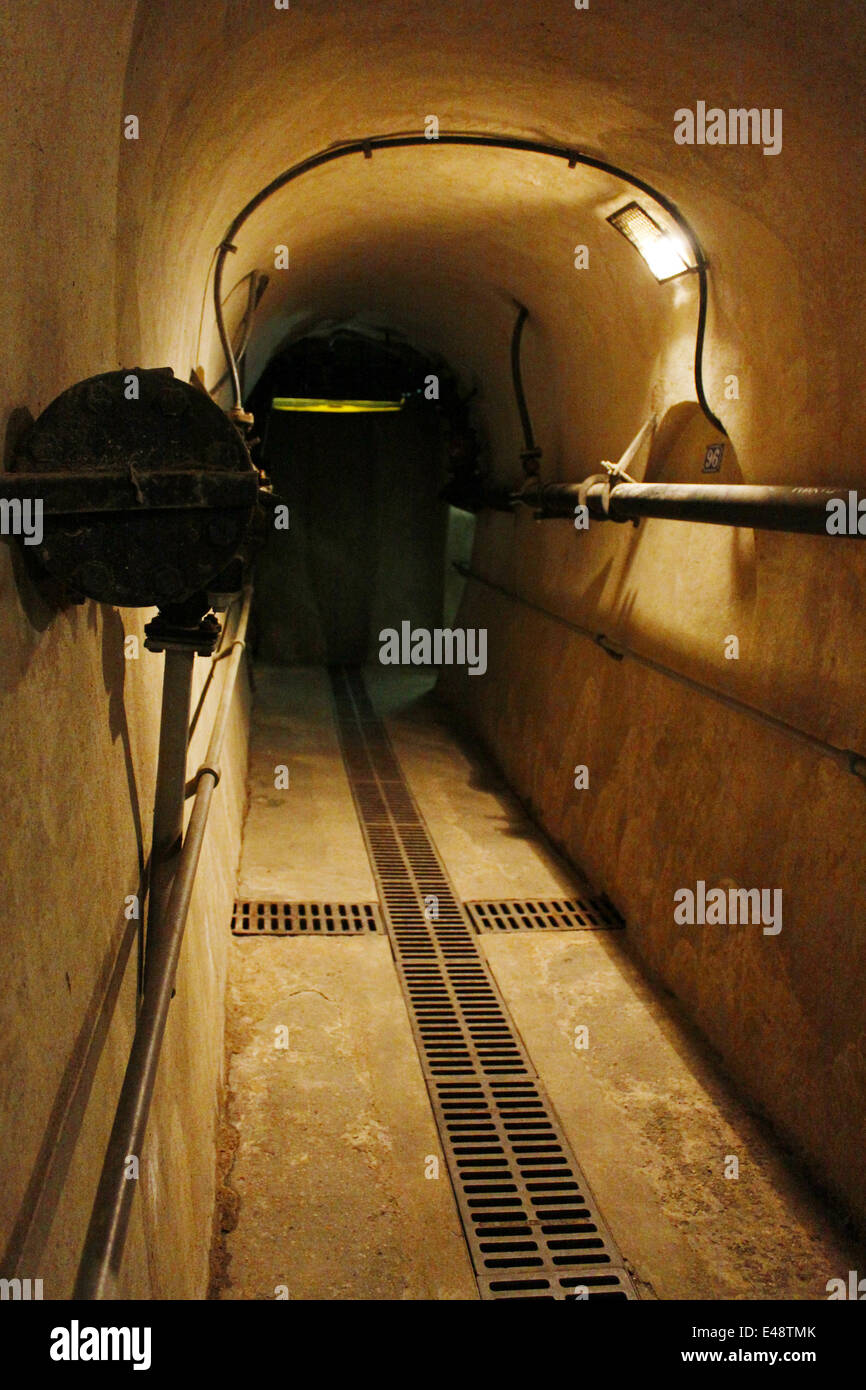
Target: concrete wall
pixel 682 789
pixel 439 244
pixel 78 734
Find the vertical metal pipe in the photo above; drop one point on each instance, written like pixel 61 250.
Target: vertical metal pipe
pixel 168 803
pixel 106 1235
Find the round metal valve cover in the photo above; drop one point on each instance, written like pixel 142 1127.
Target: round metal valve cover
pixel 132 420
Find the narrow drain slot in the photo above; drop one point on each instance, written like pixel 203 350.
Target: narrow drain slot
pixel 305 919
pixel 579 913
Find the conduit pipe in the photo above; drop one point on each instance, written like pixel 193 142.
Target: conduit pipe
pixel 257 286
pixel 792 509
pixel 848 758
pixel 170 791
pixel 223 651
pixel 106 1235
pixel 530 455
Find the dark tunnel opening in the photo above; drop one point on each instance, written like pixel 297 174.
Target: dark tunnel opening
pixel 359 436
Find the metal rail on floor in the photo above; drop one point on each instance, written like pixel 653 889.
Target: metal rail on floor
pixel 106 1235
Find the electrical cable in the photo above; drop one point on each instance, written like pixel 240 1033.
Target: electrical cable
pixel 530 456
pixel 256 288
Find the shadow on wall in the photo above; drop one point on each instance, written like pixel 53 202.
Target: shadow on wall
pixel 31 1230
pixel 684 449
pixel 24 620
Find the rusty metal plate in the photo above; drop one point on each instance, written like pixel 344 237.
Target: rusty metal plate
pixel 138 421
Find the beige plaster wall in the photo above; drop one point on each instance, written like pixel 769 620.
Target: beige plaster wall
pixel 229 93
pixel 78 735
pixel 682 789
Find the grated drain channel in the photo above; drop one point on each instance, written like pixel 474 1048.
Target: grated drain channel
pixel 305 919
pixel 530 1221
pixel 556 914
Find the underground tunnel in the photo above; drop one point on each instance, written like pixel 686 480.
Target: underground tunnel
pixel 433 769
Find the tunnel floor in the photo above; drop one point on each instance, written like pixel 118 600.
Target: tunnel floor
pixel 329 1148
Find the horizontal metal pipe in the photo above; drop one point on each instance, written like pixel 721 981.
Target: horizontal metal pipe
pixel 793 509
pixel 103 1247
pixel 115 490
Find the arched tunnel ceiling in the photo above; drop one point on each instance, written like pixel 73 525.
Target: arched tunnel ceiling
pixel 437 242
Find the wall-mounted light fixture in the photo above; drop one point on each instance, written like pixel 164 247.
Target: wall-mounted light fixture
pixel 310 404
pixel 664 253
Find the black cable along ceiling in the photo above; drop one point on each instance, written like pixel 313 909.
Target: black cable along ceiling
pixel 402 140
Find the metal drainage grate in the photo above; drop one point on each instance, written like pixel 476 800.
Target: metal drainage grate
pixel 305 919
pixel 556 914
pixel 612 1284
pixel 530 1221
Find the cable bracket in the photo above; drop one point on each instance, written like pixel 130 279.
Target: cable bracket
pixel 605 644
pixel 192 785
